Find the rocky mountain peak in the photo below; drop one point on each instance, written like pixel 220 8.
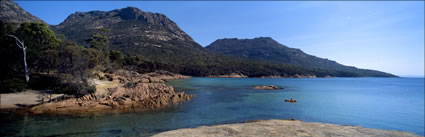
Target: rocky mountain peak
pixel 12 12
pixel 129 29
pixel 129 18
pixel 264 38
pixel 129 13
pixel 267 41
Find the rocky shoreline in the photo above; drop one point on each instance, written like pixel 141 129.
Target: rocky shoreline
pixel 133 92
pixel 282 128
pixel 123 91
pixel 240 75
pixel 294 76
pixel 232 75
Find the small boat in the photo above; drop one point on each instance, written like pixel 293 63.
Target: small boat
pixel 290 100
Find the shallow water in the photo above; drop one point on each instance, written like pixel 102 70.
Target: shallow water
pixel 383 103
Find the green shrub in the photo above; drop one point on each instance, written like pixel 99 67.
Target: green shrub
pixel 77 89
pixel 12 85
pixel 41 82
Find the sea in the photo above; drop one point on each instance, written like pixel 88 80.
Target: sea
pixel 381 103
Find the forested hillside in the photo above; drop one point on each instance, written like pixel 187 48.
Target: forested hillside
pixel 267 49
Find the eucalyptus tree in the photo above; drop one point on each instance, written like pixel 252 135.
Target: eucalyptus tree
pixel 21 45
pixel 41 43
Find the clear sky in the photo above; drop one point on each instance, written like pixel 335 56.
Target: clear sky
pixel 386 35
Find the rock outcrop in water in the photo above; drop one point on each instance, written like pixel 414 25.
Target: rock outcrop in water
pixel 267 87
pixel 282 128
pixel 136 92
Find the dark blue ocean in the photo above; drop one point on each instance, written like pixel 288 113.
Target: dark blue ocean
pixel 382 103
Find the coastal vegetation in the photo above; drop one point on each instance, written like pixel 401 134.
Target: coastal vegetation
pixel 53 63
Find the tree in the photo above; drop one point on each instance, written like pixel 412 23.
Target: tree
pixel 48 60
pixel 116 57
pixel 94 57
pixel 21 45
pixel 12 75
pixel 40 41
pixel 10 54
pixel 99 42
pixel 74 68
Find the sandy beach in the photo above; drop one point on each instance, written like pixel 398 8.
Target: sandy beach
pixel 23 99
pixel 33 97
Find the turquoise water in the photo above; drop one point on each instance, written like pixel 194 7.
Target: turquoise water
pixel 383 103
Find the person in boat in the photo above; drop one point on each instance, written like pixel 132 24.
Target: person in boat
pixel 291 100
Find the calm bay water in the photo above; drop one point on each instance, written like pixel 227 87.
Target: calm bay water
pixel 383 103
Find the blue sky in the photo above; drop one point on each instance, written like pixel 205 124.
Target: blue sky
pixel 386 35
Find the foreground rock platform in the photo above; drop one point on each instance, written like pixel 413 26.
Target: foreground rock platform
pixel 282 128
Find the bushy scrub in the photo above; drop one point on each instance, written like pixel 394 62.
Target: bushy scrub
pixel 12 85
pixel 70 85
pixel 42 82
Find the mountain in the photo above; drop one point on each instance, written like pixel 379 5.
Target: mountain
pixel 11 12
pixel 163 45
pixel 132 31
pixel 267 49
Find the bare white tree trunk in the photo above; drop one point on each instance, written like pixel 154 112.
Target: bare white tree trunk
pixel 21 45
pixel 27 77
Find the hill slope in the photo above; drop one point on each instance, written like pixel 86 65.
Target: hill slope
pixel 267 49
pixel 132 31
pixel 12 13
